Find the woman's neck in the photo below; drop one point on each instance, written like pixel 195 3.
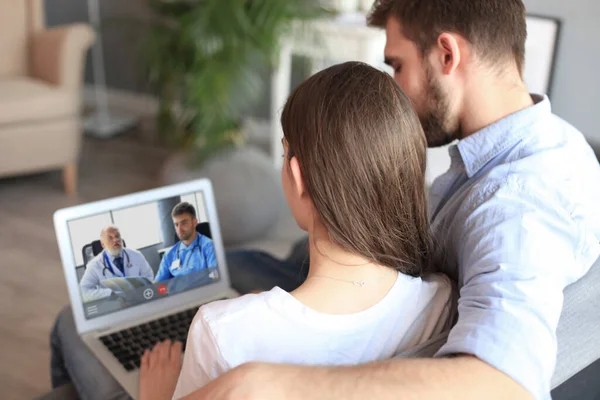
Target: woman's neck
pixel 340 282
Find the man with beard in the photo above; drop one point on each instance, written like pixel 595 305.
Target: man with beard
pixel 193 252
pixel 112 262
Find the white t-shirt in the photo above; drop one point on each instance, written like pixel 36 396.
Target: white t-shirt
pixel 275 327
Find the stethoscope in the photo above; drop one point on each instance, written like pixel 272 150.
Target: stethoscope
pixel 191 251
pixel 107 264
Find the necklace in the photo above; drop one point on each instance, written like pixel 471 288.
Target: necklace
pixel 355 283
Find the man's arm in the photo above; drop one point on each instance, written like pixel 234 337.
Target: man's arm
pixel 146 269
pixel 163 271
pixel 460 378
pixel 519 248
pixel 208 250
pixel 89 284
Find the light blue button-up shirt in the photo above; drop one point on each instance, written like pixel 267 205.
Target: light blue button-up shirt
pixel 518 215
pixel 200 254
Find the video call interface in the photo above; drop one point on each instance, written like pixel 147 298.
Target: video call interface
pixel 143 253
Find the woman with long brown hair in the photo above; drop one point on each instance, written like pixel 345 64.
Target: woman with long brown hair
pixel 354 178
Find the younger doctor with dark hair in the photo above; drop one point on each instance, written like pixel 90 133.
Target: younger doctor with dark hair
pixel 113 262
pixel 192 253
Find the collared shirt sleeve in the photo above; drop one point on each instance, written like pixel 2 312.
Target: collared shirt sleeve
pixel 164 273
pixel 520 248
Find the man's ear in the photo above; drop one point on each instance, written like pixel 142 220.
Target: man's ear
pixel 448 53
pixel 297 176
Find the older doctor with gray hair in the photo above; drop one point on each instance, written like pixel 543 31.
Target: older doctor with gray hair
pixel 113 262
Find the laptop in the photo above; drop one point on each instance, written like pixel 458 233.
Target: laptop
pixel 139 312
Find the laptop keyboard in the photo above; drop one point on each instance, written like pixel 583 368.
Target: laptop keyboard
pixel 129 345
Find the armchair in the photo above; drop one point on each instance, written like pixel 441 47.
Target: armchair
pixel 41 72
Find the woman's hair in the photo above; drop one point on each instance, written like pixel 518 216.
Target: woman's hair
pixel 362 155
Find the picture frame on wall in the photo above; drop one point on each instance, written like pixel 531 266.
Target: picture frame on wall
pixel 541 47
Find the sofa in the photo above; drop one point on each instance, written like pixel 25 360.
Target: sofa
pixel 41 71
pixel 578 360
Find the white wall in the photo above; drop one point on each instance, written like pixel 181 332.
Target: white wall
pixel 139 227
pixel 576 88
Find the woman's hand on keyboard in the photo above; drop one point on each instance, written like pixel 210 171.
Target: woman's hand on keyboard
pixel 159 371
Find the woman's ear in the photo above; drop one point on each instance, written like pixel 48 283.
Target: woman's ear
pixel 297 177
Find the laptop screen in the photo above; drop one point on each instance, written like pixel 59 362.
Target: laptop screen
pixel 131 256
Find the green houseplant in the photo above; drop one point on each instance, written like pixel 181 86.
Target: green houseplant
pixel 200 56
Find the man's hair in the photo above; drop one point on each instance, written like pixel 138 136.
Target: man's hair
pixel 106 228
pixel 183 208
pixel 361 152
pixel 496 28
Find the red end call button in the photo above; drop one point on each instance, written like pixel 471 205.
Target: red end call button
pixel 162 289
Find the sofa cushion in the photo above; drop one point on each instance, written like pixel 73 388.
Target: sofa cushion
pixel 27 100
pixel 13 37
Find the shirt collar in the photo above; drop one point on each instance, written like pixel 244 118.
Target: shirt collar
pixel 112 258
pixel 483 146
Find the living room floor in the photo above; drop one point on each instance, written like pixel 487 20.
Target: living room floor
pixel 32 286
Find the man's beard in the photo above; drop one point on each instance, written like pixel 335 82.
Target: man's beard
pixel 114 251
pixel 436 119
pixel 186 236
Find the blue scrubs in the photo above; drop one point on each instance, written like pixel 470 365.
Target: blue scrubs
pixel 182 259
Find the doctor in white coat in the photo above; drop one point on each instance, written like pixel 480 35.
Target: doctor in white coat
pixel 113 262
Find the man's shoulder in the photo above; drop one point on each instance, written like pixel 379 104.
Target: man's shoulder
pixel 517 189
pixel 172 251
pixel 553 161
pixel 554 136
pixel 135 255
pixel 133 252
pixel 204 239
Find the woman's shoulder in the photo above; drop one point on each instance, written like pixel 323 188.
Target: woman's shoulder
pixel 440 287
pixel 440 298
pixel 240 328
pixel 430 285
pixel 438 282
pixel 236 311
pixel 431 296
